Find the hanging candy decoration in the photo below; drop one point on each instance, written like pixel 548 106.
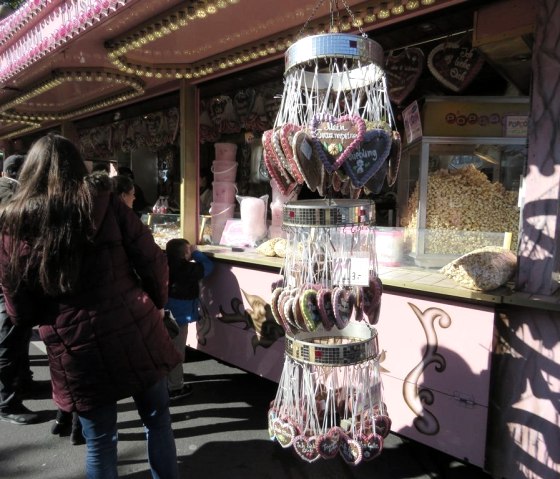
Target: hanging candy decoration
pixel 333 132
pixel 335 90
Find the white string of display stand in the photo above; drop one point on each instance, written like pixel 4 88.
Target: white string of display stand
pixel 329 400
pixel 334 132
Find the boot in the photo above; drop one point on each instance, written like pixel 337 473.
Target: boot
pixel 76 436
pixel 62 424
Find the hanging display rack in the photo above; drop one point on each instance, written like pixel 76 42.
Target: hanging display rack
pixel 333 132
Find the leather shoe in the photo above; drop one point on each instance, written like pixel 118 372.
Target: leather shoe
pixel 18 415
pixel 62 424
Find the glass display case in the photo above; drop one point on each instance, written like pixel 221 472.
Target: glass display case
pixel 164 227
pixel 459 194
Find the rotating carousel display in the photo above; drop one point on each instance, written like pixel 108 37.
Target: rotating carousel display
pixel 334 132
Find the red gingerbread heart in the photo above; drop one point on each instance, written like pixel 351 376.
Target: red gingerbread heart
pixel 281 178
pixel 455 66
pixel 286 136
pixel 403 71
pixel 335 138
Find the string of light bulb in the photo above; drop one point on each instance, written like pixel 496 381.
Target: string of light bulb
pixel 366 14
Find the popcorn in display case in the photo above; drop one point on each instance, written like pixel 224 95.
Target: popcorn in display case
pixel 459 194
pixel 164 227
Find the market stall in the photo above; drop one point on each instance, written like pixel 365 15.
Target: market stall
pixel 89 68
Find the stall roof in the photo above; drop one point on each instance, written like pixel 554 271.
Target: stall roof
pixel 66 60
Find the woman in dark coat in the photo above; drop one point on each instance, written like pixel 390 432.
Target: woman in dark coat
pixel 73 255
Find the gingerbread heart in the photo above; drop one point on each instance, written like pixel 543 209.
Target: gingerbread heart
pixel 286 135
pixel 306 448
pixel 372 445
pixel 335 138
pixel 309 310
pixel 368 157
pixel 279 152
pixel 403 71
pixel 307 160
pixel 325 306
pixel 283 181
pixel 297 314
pixel 289 319
pixel 289 313
pixel 455 66
pixel 276 312
pixel 350 450
pixel 284 432
pixel 359 307
pixel 394 159
pixel 272 415
pixel 383 425
pixel 327 444
pixel 375 183
pixel 372 299
pixel 343 305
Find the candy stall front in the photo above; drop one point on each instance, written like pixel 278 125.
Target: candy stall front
pixel 376 187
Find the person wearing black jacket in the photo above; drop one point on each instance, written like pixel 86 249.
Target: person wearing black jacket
pixel 187 266
pixel 15 373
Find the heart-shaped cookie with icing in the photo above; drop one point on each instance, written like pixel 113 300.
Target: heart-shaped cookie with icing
pixel 371 444
pixel 368 157
pixel 327 444
pixel 286 135
pixel 283 299
pixel 297 313
pixel 372 299
pixel 325 306
pixel 383 425
pixel 394 159
pixel 376 182
pixel 307 159
pixel 455 66
pixel 350 450
pixel 284 432
pixel 306 448
pixel 403 71
pixel 310 312
pixel 335 138
pixel 281 178
pixel 343 304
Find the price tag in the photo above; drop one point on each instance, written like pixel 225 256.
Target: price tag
pixel 359 271
pixel 351 270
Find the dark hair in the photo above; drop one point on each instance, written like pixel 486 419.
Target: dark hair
pixel 12 165
pixel 51 213
pixel 175 249
pixel 126 171
pixel 122 184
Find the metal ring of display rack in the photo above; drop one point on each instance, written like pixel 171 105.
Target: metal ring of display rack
pixel 329 213
pixel 353 345
pixel 367 53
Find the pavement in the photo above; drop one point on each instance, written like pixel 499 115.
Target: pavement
pixel 221 433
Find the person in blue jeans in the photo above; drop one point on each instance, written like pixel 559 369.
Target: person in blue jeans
pixel 78 262
pixel 187 267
